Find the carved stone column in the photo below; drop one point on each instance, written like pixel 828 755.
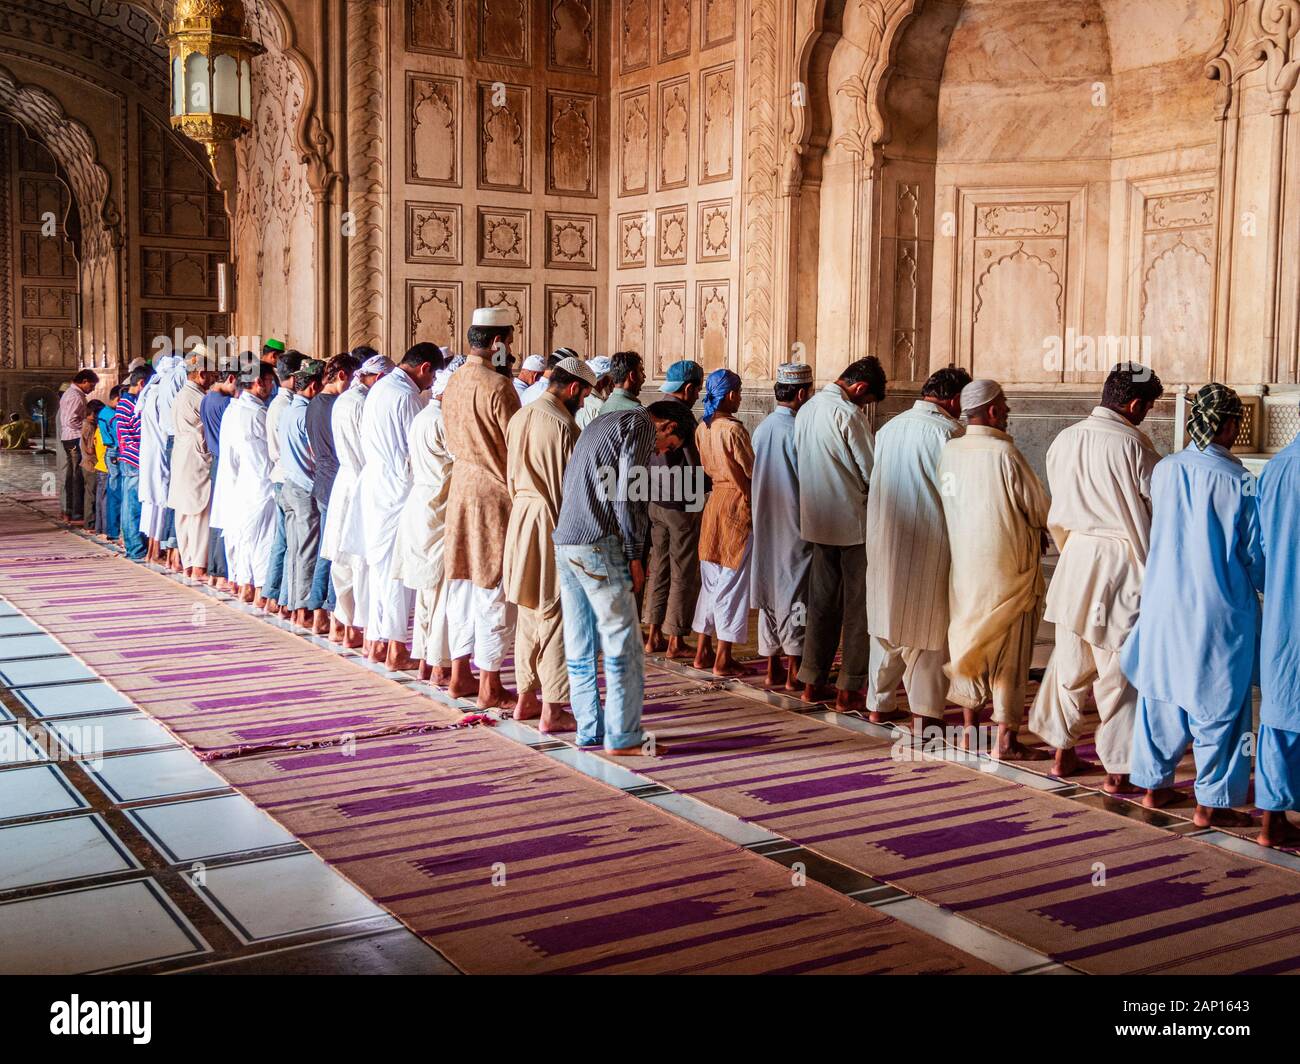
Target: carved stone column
pixel 367 200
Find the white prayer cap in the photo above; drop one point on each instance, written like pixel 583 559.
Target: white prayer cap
pixel 600 365
pixel 135 364
pixel 794 373
pixel 979 393
pixel 535 363
pixel 443 377
pixel 577 368
pixel 499 317
pixel 375 364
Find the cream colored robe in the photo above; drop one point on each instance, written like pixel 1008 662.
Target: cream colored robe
pixel 418 550
pixel 190 489
pixel 995 508
pixel 539 441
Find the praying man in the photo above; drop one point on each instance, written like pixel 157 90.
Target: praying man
pixel 907 578
pixel 780 559
pixel 1277 753
pixel 836 452
pixel 189 493
pixel 1099 472
pixel 285 367
pixel 673 570
pixel 382 487
pixel 995 509
pixel 349 571
pixel 539 441
pixel 301 516
pixel 478 405
pixel 601 366
pixel 1192 654
pixel 420 533
pixel 726 541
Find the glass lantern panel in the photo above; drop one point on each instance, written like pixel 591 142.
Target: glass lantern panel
pixel 198 100
pixel 178 87
pixel 246 90
pixel 225 85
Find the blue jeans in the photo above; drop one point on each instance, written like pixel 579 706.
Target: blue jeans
pixel 132 538
pixel 216 540
pixel 167 541
pixel 113 499
pixel 600 616
pixel 273 589
pixel 322 587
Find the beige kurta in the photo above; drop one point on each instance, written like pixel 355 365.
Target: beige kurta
pixel 191 481
pixel 727 456
pixel 995 508
pixel 477 407
pixel 418 550
pixel 540 441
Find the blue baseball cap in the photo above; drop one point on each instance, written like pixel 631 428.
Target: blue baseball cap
pixel 681 374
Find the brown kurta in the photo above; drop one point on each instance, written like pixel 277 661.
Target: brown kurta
pixel 728 459
pixel 190 489
pixel 540 439
pixel 477 406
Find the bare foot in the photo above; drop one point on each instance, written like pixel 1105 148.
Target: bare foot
pixel 399 657
pixel 463 681
pixel 528 706
pixel 814 693
pixel 775 673
pixel 321 624
pixel 678 647
pixel 441 676
pixel 1010 748
pixel 636 751
pixel 1118 783
pixel 378 650
pixel 353 638
pixel 1277 830
pixel 247 594
pixel 1205 817
pixel 492 694
pixel 704 655
pixel 792 683
pixel 1160 797
pixel 655 643
pixel 850 702
pixel 1067 762
pixel 426 670
pixel 885 716
pixel 336 631
pixel 555 719
pixel 258 602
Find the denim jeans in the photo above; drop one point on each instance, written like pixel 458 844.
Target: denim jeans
pixel 216 539
pixel 113 499
pixel 273 589
pixel 322 587
pixel 132 538
pixel 601 616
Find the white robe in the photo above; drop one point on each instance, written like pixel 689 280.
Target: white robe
pixel 248 507
pixel 907 568
pixel 154 406
pixel 382 488
pixel 345 421
pixel 418 550
pixel 780 558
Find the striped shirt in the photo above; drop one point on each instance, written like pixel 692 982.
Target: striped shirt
pixel 606 483
pixel 128 431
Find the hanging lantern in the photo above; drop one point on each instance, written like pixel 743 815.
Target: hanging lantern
pixel 211 63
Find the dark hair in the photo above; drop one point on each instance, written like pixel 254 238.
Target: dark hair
pixel 419 354
pixel 623 365
pixel 288 364
pixel 344 363
pixel 94 406
pixel 362 352
pixel 115 391
pixel 86 375
pixel 139 376
pixel 683 420
pixel 1129 381
pixel 562 378
pixel 554 359
pixel 947 383
pixel 482 337
pixel 787 393
pixel 866 371
pixel 264 370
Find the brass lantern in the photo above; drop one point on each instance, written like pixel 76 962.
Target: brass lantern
pixel 211 57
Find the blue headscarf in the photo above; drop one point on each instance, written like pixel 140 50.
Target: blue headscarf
pixel 719 383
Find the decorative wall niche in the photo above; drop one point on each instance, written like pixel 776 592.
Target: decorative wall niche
pixel 674 29
pixel 433 144
pixel 570 149
pixel 505 28
pixel 571 319
pixel 571 36
pixel 503 153
pixel 433 313
pixel 669 324
pixel 514 298
pixel 674 145
pixel 634 35
pixel 717 92
pixel 634 143
pixel 717 22
pixel 433 26
pixel 713 323
pixel 630 327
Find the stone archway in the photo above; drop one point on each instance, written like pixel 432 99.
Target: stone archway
pixel 74 149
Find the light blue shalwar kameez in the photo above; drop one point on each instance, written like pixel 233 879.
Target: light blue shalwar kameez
pixel 1277 754
pixel 1193 654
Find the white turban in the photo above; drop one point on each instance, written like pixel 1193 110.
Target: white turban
pixel 979 393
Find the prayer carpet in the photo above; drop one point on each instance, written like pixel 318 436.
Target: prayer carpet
pixel 500 857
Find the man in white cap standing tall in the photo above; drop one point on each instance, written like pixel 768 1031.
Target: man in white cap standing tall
pixel 477 406
pixel 995 509
pixel 347 570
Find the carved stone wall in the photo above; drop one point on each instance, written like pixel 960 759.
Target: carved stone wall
pixel 499 164
pixel 676 108
pixel 274 244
